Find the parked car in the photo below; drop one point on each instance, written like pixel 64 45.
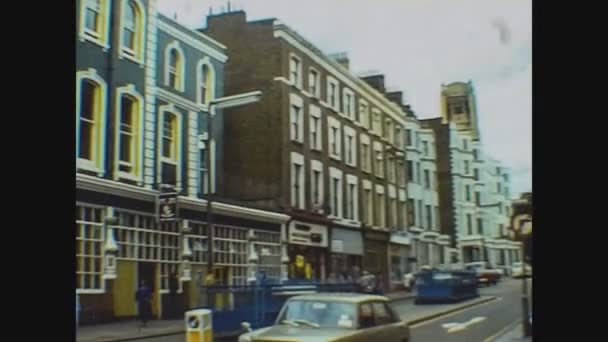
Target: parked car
pixel 486 274
pixel 409 279
pixel 517 270
pixel 340 317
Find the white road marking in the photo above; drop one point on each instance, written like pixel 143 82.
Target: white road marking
pixel 448 325
pixel 459 311
pixel 454 327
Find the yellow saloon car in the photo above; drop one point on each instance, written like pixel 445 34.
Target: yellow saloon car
pixel 335 317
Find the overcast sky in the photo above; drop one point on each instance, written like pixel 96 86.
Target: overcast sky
pixel 418 45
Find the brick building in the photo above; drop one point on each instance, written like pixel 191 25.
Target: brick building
pixel 323 145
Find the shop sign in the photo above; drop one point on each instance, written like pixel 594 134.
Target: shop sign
pixel 337 246
pixel 377 236
pixel 166 207
pixel 308 234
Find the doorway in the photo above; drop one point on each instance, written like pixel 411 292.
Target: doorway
pixel 146 272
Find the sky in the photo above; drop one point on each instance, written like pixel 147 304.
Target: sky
pixel 419 45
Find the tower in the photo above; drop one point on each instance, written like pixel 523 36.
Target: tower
pixel 458 105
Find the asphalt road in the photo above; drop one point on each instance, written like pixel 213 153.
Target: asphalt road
pixel 494 317
pixel 479 323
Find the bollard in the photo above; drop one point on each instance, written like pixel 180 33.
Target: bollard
pixel 199 327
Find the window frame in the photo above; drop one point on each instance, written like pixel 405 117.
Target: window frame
pixel 366 163
pixel 336 138
pixel 99 38
pixel 352 197
pixel 180 68
pixel 298 72
pixel 316 143
pixel 381 206
pixel 376 122
pixel 137 55
pixel 363 114
pixel 317 165
pixel 296 134
pixel 352 133
pixel 97 164
pixel 368 200
pixel 162 110
pixel 336 95
pixel 378 159
pixel 334 174
pixel 297 159
pixel 137 151
pixel 209 82
pixel 348 101
pixel 317 83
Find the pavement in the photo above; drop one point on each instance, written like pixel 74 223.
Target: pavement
pixel 513 334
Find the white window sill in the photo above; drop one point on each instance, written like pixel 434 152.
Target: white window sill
pixel 351 164
pixel 299 141
pixel 307 94
pixel 318 149
pixel 129 176
pixel 380 176
pixel 88 165
pixel 335 157
pixel 87 35
pixel 89 291
pixel 368 171
pixel 128 54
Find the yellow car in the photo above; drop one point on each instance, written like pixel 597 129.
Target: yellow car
pixel 335 317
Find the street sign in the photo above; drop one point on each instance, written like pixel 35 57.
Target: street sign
pixel 166 207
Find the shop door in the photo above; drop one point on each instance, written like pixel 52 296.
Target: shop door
pixel 146 272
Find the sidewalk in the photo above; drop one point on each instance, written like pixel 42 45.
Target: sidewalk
pixel 513 335
pixel 130 330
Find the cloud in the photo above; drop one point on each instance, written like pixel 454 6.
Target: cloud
pixel 420 44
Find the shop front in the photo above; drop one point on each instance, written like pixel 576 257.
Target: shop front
pixel 307 251
pixel 375 258
pixel 346 255
pixel 399 250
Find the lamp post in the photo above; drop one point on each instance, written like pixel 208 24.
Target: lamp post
pixel 220 103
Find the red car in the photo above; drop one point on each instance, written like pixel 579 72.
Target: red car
pixel 485 273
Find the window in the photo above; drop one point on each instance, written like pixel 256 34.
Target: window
pixel 351 198
pixel 398 142
pixel 388 130
pixel 427 179
pixel 313 83
pixel 467 192
pixel 316 184
pixel 418 173
pixel 403 211
pixel 367 204
pixel 350 148
pixel 476 174
pixel 296 118
pixel 498 187
pixel 437 218
pixel 365 157
pixel 379 161
pixel 334 138
pixel 408 137
pixel 90 116
pixel 205 81
pixel 393 213
pixel 429 216
pixel 169 145
pixel 336 192
pixel 202 168
pixel 129 144
pixel 420 220
pixel 477 198
pixel 381 211
pixel 467 167
pixel 295 71
pixel 469 224
pixel 390 165
pixel 174 69
pixel 332 93
pixel 376 123
pixel 411 212
pixel 348 105
pixel 425 148
pixel 476 154
pixel 501 230
pixel 89 249
pixel 382 314
pixel 297 180
pixel 435 181
pixel 364 114
pixel 465 144
pixel 366 316
pixel 133 29
pixel 94 21
pixel 480 226
pixel 410 171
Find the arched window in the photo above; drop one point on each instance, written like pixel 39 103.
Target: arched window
pixel 129 131
pixel 174 67
pixel 90 111
pixel 133 29
pixel 205 81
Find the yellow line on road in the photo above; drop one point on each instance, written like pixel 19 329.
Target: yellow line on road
pixel 503 331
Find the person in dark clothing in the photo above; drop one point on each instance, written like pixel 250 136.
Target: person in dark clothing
pixel 143 296
pixel 173 298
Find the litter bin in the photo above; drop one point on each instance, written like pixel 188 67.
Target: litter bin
pixel 199 326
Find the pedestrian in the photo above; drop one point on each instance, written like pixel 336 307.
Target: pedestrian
pixel 173 298
pixel 143 296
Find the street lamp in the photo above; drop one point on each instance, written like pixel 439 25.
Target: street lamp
pixel 220 103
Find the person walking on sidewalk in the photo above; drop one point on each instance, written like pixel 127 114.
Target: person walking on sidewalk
pixel 143 296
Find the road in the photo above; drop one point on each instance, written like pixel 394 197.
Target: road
pixel 481 322
pixel 494 316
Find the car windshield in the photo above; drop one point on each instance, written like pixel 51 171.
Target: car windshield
pixel 321 314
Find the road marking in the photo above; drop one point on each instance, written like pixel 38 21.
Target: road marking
pixel 502 331
pixel 452 313
pixel 454 327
